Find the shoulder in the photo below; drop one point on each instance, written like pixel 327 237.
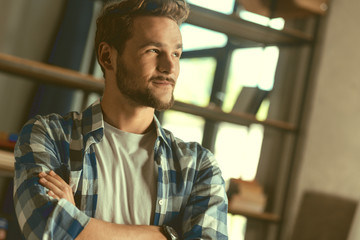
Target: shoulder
pixel 45 138
pixel 53 125
pixel 192 151
pixel 184 146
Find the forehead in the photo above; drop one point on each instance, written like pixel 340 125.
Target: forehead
pixel 156 29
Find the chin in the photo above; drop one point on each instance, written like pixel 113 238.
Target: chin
pixel 161 105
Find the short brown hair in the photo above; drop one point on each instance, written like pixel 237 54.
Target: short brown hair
pixel 115 21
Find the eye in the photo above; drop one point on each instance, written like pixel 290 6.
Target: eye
pixel 177 54
pixel 153 51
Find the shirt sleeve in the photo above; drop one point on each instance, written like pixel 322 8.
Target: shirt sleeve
pixel 39 216
pixel 205 215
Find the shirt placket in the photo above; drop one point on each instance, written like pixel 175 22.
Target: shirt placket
pixel 163 182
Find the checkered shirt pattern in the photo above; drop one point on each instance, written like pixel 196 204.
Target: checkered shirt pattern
pixel 190 190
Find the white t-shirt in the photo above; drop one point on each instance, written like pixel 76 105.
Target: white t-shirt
pixel 127 177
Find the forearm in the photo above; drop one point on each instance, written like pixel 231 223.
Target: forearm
pixel 97 229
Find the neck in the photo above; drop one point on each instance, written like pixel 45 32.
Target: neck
pixel 126 116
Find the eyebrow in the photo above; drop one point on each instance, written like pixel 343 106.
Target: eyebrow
pixel 158 44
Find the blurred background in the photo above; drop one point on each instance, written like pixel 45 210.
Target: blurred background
pixel 271 87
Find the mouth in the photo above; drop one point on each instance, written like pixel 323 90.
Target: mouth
pixel 163 81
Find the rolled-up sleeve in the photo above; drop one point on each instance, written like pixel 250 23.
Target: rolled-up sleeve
pixel 39 216
pixel 205 215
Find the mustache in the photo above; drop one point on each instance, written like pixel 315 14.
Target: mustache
pixel 162 78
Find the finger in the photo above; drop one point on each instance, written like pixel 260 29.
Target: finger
pixel 52 174
pixel 58 188
pixel 42 174
pixel 51 186
pixel 57 177
pixel 56 180
pixel 52 194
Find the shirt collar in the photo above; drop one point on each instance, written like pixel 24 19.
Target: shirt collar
pixel 161 133
pixel 93 125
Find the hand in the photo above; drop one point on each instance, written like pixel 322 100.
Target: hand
pixel 58 188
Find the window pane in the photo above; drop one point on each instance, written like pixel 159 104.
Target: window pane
pixel 276 23
pixel 223 6
pixel 184 126
pixel 237 150
pixel 245 71
pixel 236 227
pixel 195 38
pixel 195 81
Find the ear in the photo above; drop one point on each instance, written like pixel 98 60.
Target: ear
pixel 106 56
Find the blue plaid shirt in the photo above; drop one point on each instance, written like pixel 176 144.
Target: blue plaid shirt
pixel 190 190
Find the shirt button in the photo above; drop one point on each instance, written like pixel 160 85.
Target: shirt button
pixel 161 202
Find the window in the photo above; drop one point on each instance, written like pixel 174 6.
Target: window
pixel 217 64
pixel 223 6
pixel 184 126
pixel 194 86
pixel 195 81
pixel 195 38
pixel 250 67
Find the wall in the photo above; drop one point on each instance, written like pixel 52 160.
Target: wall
pixel 330 160
pixel 27 30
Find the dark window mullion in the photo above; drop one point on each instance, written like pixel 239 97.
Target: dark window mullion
pixel 223 60
pixel 212 52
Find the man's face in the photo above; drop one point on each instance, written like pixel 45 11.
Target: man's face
pixel 148 68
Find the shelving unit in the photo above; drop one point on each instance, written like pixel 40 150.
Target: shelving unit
pixel 276 170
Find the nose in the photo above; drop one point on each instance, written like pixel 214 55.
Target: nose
pixel 166 63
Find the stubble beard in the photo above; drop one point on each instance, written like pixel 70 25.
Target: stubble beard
pixel 130 88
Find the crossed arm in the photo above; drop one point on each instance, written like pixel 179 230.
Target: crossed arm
pixel 97 229
pixel 42 217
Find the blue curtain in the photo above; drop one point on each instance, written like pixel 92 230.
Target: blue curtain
pixel 67 52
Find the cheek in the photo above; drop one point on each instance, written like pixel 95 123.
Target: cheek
pixel 142 71
pixel 145 67
pixel 177 70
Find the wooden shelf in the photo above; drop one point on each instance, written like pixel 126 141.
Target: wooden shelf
pixel 49 74
pixel 7 145
pixel 245 31
pixel 217 114
pixel 269 217
pixel 7 161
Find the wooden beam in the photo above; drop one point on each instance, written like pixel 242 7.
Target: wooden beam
pixel 7 161
pixel 215 113
pixel 239 29
pixel 49 74
pixel 269 217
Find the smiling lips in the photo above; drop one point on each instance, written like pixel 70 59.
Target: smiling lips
pixel 163 81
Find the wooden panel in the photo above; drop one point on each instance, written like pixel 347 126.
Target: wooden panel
pixel 324 217
pixel 314 6
pixel 285 8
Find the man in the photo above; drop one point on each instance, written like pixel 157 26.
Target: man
pixel 112 172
